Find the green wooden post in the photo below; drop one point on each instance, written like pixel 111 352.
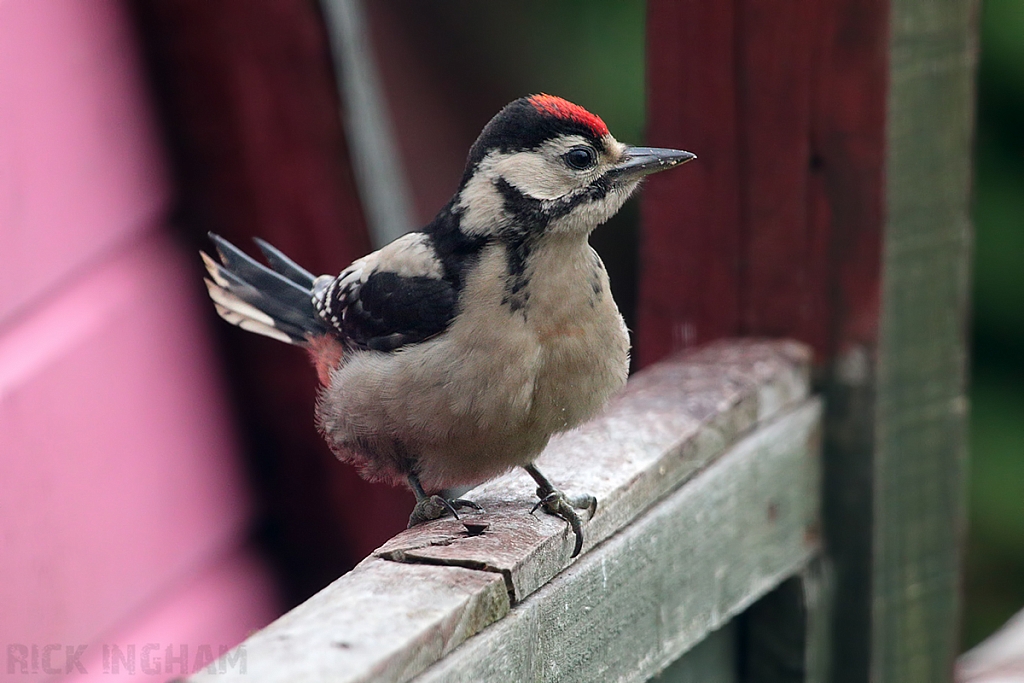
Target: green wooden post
pixel 921 409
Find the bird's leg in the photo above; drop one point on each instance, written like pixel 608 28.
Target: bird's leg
pixel 434 507
pixel 557 503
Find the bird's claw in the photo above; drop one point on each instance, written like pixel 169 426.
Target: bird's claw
pixel 560 505
pixel 435 507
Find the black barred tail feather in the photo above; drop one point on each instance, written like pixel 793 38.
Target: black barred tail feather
pixel 276 302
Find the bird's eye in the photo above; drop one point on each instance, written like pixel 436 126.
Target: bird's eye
pixel 580 158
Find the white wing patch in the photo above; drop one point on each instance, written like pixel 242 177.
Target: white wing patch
pixel 411 255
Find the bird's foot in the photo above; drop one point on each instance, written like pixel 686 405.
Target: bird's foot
pixel 430 508
pixel 559 504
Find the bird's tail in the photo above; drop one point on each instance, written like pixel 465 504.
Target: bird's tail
pixel 275 302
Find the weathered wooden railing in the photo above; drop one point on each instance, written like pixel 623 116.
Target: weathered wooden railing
pixel 706 469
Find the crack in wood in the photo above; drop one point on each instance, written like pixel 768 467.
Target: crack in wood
pixel 399 555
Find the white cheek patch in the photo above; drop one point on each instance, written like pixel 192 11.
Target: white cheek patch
pixel 534 174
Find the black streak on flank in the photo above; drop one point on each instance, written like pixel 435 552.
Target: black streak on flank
pixel 595 278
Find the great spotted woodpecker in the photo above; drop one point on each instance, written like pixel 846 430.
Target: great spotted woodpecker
pixel 455 352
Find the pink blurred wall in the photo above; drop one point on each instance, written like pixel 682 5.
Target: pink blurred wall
pixel 123 507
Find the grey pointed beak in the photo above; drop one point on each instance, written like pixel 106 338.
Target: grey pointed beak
pixel 641 161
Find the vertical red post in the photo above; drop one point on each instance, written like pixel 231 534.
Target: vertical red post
pixel 691 244
pixel 776 229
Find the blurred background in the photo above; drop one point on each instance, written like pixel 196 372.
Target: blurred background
pixel 248 142
pixel 995 553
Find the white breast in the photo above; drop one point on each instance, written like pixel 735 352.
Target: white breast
pixel 488 394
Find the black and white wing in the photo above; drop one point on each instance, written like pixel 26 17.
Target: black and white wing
pixel 389 299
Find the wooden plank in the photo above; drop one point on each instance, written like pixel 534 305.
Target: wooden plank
pixel 383 621
pixel 846 204
pixel 672 423
pixel 921 425
pixel 855 131
pixel 634 604
pixel 775 230
pixel 668 424
pixel 790 138
pixel 784 265
pixel 781 637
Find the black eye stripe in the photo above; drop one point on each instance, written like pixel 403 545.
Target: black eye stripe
pixel 580 158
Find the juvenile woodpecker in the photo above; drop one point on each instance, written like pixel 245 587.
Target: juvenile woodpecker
pixel 455 352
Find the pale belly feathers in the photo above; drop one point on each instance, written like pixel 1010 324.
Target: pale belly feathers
pixel 489 393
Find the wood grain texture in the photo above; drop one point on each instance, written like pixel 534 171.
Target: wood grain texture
pixel 634 604
pixel 782 269
pixel 381 622
pixel 690 248
pixel 775 229
pixel 921 413
pixel 670 422
pixel 846 205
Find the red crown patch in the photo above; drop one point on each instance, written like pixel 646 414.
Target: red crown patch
pixel 564 109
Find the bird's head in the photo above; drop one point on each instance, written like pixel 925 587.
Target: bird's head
pixel 546 165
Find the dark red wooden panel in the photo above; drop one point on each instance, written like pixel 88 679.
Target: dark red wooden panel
pixel 851 82
pixel 690 249
pixel 783 269
pixel 775 229
pixel 253 118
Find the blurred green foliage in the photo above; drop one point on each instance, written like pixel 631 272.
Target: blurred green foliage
pixel 589 51
pixel 995 556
